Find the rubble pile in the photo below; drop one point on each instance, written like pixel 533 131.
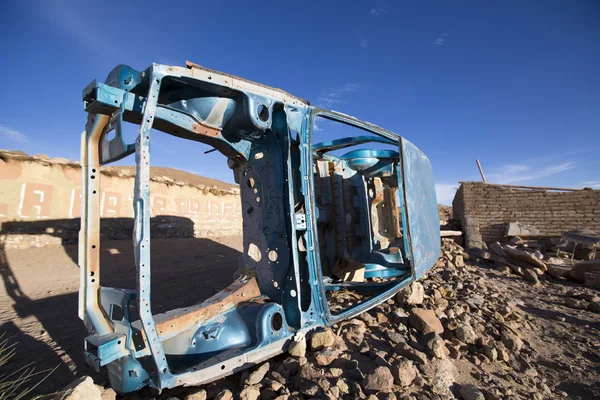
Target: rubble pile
pixel 453 334
pixel 417 345
pixel 530 261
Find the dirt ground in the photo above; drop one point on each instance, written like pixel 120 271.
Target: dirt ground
pixel 38 297
pixel 38 308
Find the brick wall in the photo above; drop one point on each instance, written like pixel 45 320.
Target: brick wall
pixel 484 210
pixel 40 203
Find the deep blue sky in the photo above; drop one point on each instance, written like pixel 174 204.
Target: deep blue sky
pixel 513 83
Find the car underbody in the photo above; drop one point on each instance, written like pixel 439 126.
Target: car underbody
pixel 353 213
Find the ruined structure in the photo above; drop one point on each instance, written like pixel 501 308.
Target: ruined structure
pixel 484 210
pixel 317 217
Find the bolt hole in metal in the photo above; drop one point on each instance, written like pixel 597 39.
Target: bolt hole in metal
pixel 276 322
pixel 263 113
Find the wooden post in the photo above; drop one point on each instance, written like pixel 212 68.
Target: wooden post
pixel 481 171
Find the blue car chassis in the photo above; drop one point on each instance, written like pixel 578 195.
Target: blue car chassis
pixel 294 196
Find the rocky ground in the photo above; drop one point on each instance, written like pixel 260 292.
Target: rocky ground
pixel 469 329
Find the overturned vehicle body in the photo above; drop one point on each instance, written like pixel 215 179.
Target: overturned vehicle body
pixel 323 213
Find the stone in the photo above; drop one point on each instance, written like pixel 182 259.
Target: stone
pixel 224 395
pixel 594 306
pixel 525 256
pixel 404 372
pixel 412 295
pixel 425 321
pixel 380 380
pixel 497 249
pixel 326 357
pixel 108 394
pixel 381 318
pixel 574 303
pixel 436 345
pixel 578 271
pixel 559 271
pixel 406 351
pixel 257 375
pixel 250 393
pixel 531 276
pixel 307 387
pixel 298 347
pixel 511 340
pixel 470 392
pixel 322 339
pixel 459 261
pixel 79 389
pixel 491 353
pixel 196 395
pixel 342 386
pixel 466 334
pixel 442 373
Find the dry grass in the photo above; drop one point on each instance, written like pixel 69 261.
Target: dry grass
pixel 20 383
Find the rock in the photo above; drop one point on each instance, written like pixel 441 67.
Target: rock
pixel 250 393
pixel 224 395
pixel 258 375
pixel 412 295
pixel 425 321
pixel 406 351
pixel 381 318
pixel 491 353
pixel 559 271
pixel 459 260
pixel 298 347
pixel 511 340
pixel 436 346
pixel 380 380
pixel 497 249
pixel 466 334
pixel 80 389
pixel 322 339
pixel 470 392
pixel 108 394
pixel 531 276
pixel 326 357
pixel 442 374
pixel 342 386
pixel 525 256
pixel 404 372
pixel 307 387
pixel 574 303
pixel 579 270
pixel 594 306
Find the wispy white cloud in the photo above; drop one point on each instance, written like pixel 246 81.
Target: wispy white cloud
pixel 440 40
pixel 12 135
pixel 363 43
pixel 592 184
pixel 376 11
pixel 316 127
pixel 335 96
pixel 445 193
pixel 515 173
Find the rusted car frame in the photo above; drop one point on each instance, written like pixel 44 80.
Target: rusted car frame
pixel 295 195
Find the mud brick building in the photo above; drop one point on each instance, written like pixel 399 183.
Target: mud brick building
pixel 484 210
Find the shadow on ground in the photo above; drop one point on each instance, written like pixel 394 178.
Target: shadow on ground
pixel 49 333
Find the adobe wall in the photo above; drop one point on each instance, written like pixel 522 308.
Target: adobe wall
pixel 485 209
pixel 40 204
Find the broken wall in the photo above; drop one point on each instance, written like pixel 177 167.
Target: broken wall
pixel 485 209
pixel 40 203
